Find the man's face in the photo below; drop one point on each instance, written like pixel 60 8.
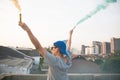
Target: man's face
pixel 54 50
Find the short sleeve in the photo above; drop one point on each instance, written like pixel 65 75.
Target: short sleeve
pixel 50 59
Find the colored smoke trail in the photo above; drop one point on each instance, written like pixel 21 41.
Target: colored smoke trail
pixel 96 10
pixel 16 3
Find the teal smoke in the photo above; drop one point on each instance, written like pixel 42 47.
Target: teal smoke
pixel 96 10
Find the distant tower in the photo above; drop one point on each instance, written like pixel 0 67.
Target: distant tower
pixel 115 44
pixel 83 49
pixel 87 50
pixel 97 45
pixel 92 50
pixel 106 48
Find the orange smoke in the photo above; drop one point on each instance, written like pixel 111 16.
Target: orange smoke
pixel 16 3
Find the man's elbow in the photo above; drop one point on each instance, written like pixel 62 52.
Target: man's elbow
pixel 41 51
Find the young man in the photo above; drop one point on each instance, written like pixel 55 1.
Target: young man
pixel 59 61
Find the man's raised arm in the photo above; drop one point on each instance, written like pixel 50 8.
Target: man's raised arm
pixel 33 39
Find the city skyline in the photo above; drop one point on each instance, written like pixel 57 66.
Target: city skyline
pixel 102 48
pixel 52 20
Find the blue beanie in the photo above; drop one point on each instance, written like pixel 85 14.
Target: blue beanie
pixel 62 47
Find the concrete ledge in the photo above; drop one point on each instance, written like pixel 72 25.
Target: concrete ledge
pixel 71 77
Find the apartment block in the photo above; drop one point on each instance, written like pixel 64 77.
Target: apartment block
pixel 115 44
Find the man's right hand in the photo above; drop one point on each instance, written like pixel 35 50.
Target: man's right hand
pixel 24 26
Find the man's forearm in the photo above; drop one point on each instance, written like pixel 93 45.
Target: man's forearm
pixel 35 42
pixel 69 42
pixel 33 39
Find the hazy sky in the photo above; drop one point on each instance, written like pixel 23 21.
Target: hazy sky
pixel 51 20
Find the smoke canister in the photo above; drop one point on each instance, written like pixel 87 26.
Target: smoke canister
pixel 20 17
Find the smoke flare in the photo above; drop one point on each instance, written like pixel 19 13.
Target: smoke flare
pixel 97 9
pixel 20 17
pixel 16 3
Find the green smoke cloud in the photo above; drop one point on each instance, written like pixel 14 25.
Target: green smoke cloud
pixel 96 10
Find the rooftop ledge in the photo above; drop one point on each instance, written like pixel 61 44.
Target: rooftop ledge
pixel 71 76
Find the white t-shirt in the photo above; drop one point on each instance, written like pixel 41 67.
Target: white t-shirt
pixel 57 67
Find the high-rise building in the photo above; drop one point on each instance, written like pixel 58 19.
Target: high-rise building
pixel 83 49
pixel 115 44
pixel 97 46
pixel 87 50
pixel 92 50
pixel 106 48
